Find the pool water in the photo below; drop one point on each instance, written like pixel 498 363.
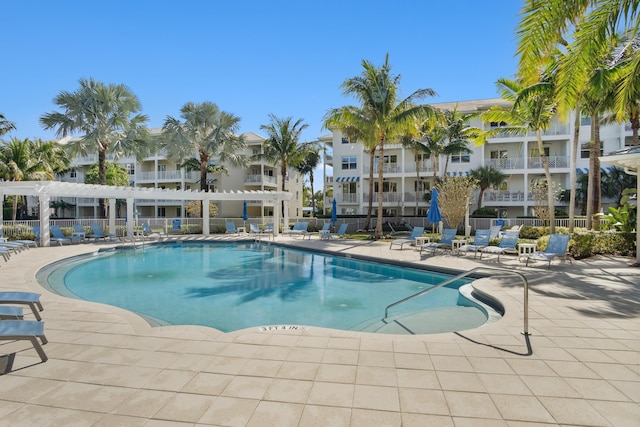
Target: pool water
pixel 232 286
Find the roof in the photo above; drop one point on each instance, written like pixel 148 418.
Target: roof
pixel 627 158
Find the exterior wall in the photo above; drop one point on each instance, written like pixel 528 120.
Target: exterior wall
pixel 157 171
pixel 516 156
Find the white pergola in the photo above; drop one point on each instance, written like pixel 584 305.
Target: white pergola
pixel 44 190
pixel 629 160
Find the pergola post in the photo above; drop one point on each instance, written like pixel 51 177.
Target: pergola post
pixel 112 216
pixel 130 219
pixel 276 217
pixel 205 217
pixel 44 200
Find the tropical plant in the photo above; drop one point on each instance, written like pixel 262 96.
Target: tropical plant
pixel 458 133
pixel 532 109
pixel 207 131
pixel 624 216
pixel 115 175
pixel 310 161
pixel 487 176
pixel 381 116
pixel 26 160
pixel 62 205
pixel 106 119
pixel 5 125
pixel 281 147
pixel 454 194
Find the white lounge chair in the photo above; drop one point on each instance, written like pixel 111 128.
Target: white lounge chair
pixel 556 248
pixel 29 298
pixel 416 232
pixel 14 330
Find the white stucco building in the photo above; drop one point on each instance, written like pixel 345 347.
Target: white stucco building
pixel 516 156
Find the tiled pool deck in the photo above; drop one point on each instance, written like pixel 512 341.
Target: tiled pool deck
pixel 107 367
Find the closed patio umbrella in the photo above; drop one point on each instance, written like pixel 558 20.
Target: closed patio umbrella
pixel 334 212
pixel 244 212
pixel 433 214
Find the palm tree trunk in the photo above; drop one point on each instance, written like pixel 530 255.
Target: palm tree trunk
pixel 372 154
pixel 102 177
pixel 480 194
pixel 635 125
pixel 574 160
pixel 378 232
pixel 593 186
pixel 417 183
pixel 313 199
pixel 547 173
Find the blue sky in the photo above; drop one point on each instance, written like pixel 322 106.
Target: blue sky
pixel 252 58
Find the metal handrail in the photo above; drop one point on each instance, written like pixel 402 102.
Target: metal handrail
pixel 467 273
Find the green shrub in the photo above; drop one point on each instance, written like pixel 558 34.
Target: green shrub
pixel 485 213
pixel 590 243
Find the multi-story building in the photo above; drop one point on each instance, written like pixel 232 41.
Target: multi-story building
pixel 157 171
pixel 407 175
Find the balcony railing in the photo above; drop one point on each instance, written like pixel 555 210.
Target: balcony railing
pixel 507 163
pixel 554 162
pixel 350 198
pixel 386 197
pixel 174 175
pixel 503 196
pixel 422 167
pixel 260 179
pixel 390 168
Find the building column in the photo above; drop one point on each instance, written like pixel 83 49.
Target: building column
pixel 45 212
pixel 130 217
pixel 112 216
pixel 205 217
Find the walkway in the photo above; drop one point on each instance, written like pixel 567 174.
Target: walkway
pixel 107 367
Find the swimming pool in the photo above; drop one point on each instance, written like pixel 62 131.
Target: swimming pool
pixel 232 286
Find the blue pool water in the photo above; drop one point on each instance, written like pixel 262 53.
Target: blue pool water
pixel 231 286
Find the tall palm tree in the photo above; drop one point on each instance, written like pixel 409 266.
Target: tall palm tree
pixel 5 125
pixel 532 110
pixel 23 160
pixel 105 117
pixel 412 142
pixel 281 147
pixel 310 161
pixel 458 133
pixel 207 132
pixel 487 176
pixel 386 117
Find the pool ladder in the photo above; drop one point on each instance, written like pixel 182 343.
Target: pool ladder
pixel 465 274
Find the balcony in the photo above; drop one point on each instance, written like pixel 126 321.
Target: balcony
pixel 422 167
pixel 348 198
pixel 411 196
pixel 254 180
pixel 503 196
pixel 555 162
pixel 506 163
pixel 173 176
pixel 386 197
pixel 389 168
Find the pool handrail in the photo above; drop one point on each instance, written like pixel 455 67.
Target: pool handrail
pixel 465 274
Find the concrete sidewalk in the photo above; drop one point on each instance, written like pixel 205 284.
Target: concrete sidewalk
pixel 108 367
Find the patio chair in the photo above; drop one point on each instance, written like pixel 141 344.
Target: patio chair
pixel 480 241
pixel 26 243
pixel 556 248
pixel 324 230
pixel 58 236
pixel 78 230
pixel 495 232
pixel 28 298
pixel 299 229
pixel 29 330
pixel 507 245
pixel 148 232
pixel 446 243
pixel 14 246
pixel 411 240
pixel 4 253
pixel 342 231
pixel 9 312
pixel 231 227
pixel 98 233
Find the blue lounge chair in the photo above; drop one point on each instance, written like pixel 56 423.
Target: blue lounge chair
pixel 13 330
pixel 323 230
pixel 29 298
pixel 231 227
pixel 97 233
pixel 446 243
pixel 507 245
pixel 299 229
pixel 556 248
pixel 495 231
pixel 10 312
pixel 147 231
pixel 416 232
pixel 480 241
pixel 4 253
pixel 342 231
pixel 78 230
pixel 58 236
pixel 14 246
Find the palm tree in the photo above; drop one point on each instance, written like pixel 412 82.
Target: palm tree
pixel 206 131
pixel 5 125
pixel 411 142
pixel 309 162
pixel 487 176
pixel 385 118
pixel 281 147
pixel 22 160
pixel 106 118
pixel 458 133
pixel 532 110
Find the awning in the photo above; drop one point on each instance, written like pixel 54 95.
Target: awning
pixel 209 180
pixel 348 179
pixel 586 170
pixel 458 173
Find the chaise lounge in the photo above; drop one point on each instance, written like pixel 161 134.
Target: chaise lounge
pixel 416 232
pixel 29 298
pixel 556 248
pixel 16 330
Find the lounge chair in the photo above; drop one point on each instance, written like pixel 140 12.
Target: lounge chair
pixel 495 232
pixel 58 236
pixel 416 232
pixel 4 253
pixel 78 230
pixel 13 330
pixel 9 312
pixel 231 227
pixel 13 246
pixel 480 241
pixel 27 243
pixel 342 231
pixel 446 243
pixel 98 233
pixel 556 248
pixel 299 229
pixel 255 229
pixel 507 245
pixel 324 230
pixel 29 298
pixel 148 232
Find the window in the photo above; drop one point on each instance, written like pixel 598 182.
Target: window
pixel 585 121
pixel 162 212
pixel 73 174
pixel 421 186
pixel 499 154
pixel 348 187
pixel 493 125
pixel 460 158
pixel 387 187
pixel 536 153
pixel 393 159
pixel 162 168
pixel 421 157
pixel 584 150
pixel 349 163
pixel 345 141
pixel 131 169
